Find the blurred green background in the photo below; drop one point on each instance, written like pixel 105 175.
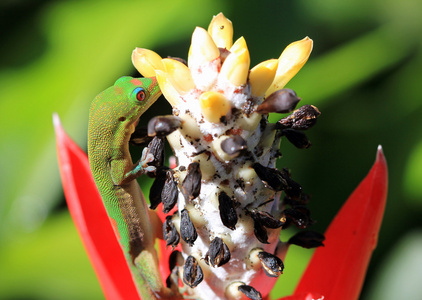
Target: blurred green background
pixel 364 75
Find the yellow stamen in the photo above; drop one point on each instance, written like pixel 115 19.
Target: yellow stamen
pixel 236 66
pixel 214 105
pixel 171 94
pixel 290 62
pixel 261 77
pixel 202 49
pixel 221 30
pixel 146 61
pixel 179 75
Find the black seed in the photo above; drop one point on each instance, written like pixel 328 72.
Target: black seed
pixel 218 254
pixel 175 259
pixel 270 176
pixel 172 280
pixel 227 209
pixel 170 234
pixel 299 215
pixel 266 219
pixel 233 145
pixel 163 125
pixel 260 231
pixel 301 119
pixel 191 185
pixel 293 189
pixel 157 188
pixel 192 272
pixel 281 101
pixel 303 199
pixel 169 192
pixel 307 239
pixel 140 136
pixel 156 148
pixel 297 138
pixel 273 266
pixel 250 292
pixel 187 230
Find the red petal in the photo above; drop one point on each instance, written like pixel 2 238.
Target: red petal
pixel 337 270
pixel 91 220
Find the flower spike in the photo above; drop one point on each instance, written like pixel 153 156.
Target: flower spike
pixel 350 240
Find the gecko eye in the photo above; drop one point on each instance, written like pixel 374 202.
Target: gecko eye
pixel 140 94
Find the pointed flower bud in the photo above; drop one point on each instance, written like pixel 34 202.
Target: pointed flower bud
pixel 221 31
pixel 261 77
pixel 214 105
pixel 179 75
pixel 203 49
pixel 290 62
pixel 235 68
pixel 169 92
pixel 146 62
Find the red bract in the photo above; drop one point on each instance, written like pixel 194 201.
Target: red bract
pixel 336 271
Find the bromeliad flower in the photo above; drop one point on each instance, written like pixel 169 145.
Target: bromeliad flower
pixel 232 202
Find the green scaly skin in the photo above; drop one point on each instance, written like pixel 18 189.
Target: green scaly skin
pixel 113 116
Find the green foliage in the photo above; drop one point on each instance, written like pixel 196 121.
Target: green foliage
pixel 364 75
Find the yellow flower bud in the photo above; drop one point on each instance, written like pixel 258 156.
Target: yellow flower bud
pixel 290 62
pixel 235 68
pixel 202 49
pixel 169 92
pixel 214 105
pixel 146 61
pixel 179 75
pixel 261 77
pixel 221 31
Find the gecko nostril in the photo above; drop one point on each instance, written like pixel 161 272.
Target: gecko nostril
pixel 122 119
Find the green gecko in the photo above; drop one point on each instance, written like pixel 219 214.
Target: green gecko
pixel 113 117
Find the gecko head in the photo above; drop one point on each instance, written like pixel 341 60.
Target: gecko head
pixel 135 95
